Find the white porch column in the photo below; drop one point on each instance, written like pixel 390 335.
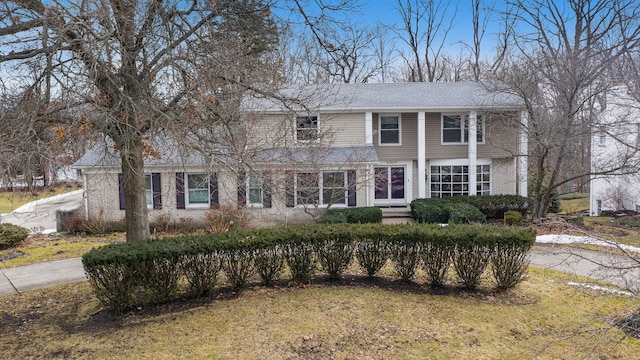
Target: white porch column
pixel 371 185
pixel 473 153
pixel 523 150
pixel 368 128
pixel 422 158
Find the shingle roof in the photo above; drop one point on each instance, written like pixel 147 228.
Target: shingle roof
pixel 171 155
pixel 398 96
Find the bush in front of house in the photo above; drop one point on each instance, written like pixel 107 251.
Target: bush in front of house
pixel 355 215
pixel 512 217
pixel 438 210
pixel 430 211
pixel 127 275
pixel 11 235
pixel 445 210
pixel 463 213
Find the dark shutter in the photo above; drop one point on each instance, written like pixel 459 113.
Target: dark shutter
pixel 121 191
pixel 180 190
pixel 266 189
pixel 290 189
pixel 156 189
pixel 242 190
pixel 351 191
pixel 213 190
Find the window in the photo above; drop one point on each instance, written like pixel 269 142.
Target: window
pixel 334 187
pixel 307 128
pixel 389 130
pixel 324 188
pixel 307 189
pixel 197 189
pixel 602 139
pixel 148 187
pixel 453 180
pixel 455 131
pixel 255 190
pixel 152 187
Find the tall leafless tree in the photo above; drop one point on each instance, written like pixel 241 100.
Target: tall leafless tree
pixel 560 70
pixel 424 28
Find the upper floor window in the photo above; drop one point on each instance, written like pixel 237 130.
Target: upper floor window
pixel 455 129
pixel 602 139
pixel 307 128
pixel 197 189
pixel 389 130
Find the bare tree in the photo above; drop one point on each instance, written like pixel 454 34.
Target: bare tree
pixel 424 28
pixel 560 72
pixel 130 61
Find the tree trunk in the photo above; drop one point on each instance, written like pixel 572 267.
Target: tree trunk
pixel 133 186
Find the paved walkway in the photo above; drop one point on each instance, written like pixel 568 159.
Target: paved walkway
pixel 618 270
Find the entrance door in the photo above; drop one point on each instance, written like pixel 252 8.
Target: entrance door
pixel 390 185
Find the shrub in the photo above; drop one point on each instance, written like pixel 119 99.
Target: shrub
pixel 237 264
pixel 12 235
pixel 463 213
pixel 334 248
pixel 436 255
pixel 509 255
pixel 268 258
pixel 298 252
pixel 201 265
pixel 495 206
pixel 226 217
pixel 372 249
pixel 356 215
pixel 430 211
pixel 470 259
pixel 334 216
pixel 512 217
pixel 405 251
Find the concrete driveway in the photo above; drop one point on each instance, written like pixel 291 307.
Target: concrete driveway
pixel 40 216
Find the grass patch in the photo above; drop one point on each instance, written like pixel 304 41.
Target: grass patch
pixel 11 200
pixel 574 203
pixel 41 248
pixel 543 318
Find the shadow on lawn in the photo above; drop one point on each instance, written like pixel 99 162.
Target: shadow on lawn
pixel 107 320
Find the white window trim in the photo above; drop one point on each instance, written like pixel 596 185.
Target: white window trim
pixel 399 116
pixel 465 118
pixel 408 183
pixel 321 204
pixel 459 162
pixel 295 128
pixel 187 200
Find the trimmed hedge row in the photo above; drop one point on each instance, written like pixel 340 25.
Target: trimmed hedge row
pixel 147 272
pixel 467 209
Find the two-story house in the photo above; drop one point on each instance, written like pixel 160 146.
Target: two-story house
pixel 342 145
pixel 615 154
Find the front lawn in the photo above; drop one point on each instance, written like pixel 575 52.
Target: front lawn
pixel 543 318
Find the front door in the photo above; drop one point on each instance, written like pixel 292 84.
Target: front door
pixel 390 185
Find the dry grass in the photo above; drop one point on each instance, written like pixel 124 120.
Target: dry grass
pixel 41 248
pixel 542 319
